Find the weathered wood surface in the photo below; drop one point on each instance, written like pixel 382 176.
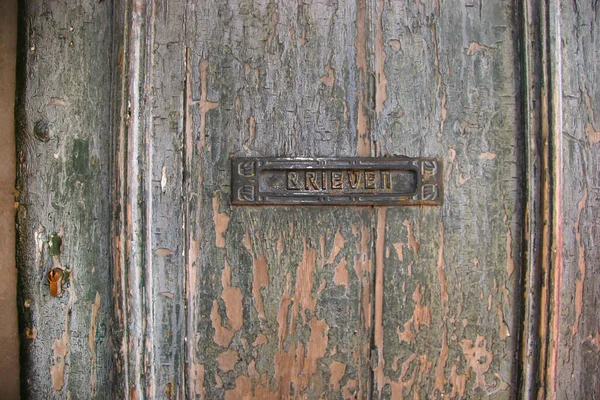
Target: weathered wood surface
pixel 446 278
pixel 576 356
pixel 186 296
pixel 440 89
pixel 279 298
pixel 63 135
pixel 277 301
pixel 149 247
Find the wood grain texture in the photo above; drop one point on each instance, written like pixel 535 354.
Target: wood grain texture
pixel 577 355
pixel 279 298
pixel 148 202
pixel 129 113
pixel 63 135
pixel 165 191
pixel 446 85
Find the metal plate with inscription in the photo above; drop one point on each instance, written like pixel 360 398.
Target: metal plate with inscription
pixel 398 181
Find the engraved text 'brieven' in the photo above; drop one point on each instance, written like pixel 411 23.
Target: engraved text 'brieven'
pixel 336 181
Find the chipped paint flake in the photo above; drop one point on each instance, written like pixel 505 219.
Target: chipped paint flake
pixel 329 78
pixel 260 275
pixel 340 275
pixel 412 243
pixel 60 349
pixel 197 376
pixel 380 56
pixel 478 358
pixel 337 371
pixel 487 156
pixel 440 376
pixel 379 372
pixel 592 134
pixel 476 47
pixel 401 386
pixel 510 264
pixel 363 148
pixel 338 244
pixel 395 44
pixel 399 247
pixel 421 316
pixel 233 298
pixel 251 129
pixel 296 361
pixel 458 383
pixel 221 221
pixel 163 179
pixel 260 340
pixel 305 281
pixel 242 389
pixel 227 360
pixel 260 279
pixel 441 87
pixel 163 252
pixel 440 269
pixel 504 331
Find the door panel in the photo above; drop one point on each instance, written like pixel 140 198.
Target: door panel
pixel 129 115
pixel 164 191
pixel 577 343
pixel 446 86
pixel 279 301
pixel 63 224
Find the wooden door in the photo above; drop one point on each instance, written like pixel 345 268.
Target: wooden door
pixel 139 279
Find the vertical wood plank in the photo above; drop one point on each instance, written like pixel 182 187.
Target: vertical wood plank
pixel 577 350
pixel 132 155
pixel 149 201
pixel 279 298
pixel 63 133
pixel 446 85
pixel 9 335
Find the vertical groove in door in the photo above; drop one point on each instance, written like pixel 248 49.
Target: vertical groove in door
pixel 119 274
pixel 194 372
pixel 187 349
pixel 151 199
pixel 553 50
pixel 534 237
pixel 543 218
pixel 523 166
pixel 133 204
pixel 134 200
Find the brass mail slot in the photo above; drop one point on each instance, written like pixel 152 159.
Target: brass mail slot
pixel 336 181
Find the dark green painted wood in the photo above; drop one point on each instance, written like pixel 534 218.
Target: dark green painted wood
pixel 63 134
